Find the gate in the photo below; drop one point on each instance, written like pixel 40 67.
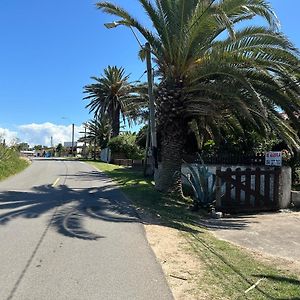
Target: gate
pixel 247 190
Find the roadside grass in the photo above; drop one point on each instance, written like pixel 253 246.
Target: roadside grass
pixel 11 166
pixel 228 270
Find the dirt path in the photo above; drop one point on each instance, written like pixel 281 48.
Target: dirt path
pixel 181 268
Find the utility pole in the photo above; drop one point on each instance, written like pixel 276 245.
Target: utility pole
pixel 73 139
pixel 151 108
pixel 85 152
pixel 52 154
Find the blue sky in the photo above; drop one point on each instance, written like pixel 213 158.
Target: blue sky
pixel 49 50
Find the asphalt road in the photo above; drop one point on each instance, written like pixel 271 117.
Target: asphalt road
pixel 67 233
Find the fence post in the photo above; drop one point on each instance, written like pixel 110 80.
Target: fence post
pixel 257 202
pixel 218 188
pixel 267 178
pixel 276 188
pixel 228 200
pixel 238 178
pixel 248 186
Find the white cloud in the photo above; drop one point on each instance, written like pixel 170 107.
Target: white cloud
pixel 35 134
pixel 8 135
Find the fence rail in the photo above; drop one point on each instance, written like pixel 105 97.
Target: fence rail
pixel 128 162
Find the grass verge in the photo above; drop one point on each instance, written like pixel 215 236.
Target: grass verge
pixel 11 166
pixel 228 270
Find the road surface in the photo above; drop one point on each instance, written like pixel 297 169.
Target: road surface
pixel 67 233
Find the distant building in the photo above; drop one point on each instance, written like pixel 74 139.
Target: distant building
pixel 27 153
pixel 69 144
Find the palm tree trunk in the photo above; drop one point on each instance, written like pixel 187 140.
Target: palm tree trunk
pixel 116 123
pixel 172 144
pixel 147 151
pixel 172 127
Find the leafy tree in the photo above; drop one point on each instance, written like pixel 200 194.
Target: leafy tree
pixel 112 97
pixel 126 144
pixel 39 147
pixel 22 147
pixel 210 69
pixel 59 149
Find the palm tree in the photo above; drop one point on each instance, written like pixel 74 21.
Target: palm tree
pixel 111 96
pixel 207 60
pixel 97 134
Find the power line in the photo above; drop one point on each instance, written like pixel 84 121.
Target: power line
pixel 142 75
pixel 198 19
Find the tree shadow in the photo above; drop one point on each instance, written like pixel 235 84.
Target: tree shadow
pixel 158 203
pixel 67 208
pixel 280 278
pixel 151 201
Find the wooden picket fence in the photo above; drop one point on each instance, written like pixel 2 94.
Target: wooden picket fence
pixel 247 190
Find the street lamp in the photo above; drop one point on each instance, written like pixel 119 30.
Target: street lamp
pixel 147 49
pixel 111 25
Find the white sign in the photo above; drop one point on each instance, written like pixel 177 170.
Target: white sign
pixel 274 159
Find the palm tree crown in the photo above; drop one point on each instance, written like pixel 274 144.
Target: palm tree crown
pixel 110 96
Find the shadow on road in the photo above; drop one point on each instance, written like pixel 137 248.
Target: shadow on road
pixel 67 208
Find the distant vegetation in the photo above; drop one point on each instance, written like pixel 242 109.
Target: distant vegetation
pixel 126 145
pixel 10 162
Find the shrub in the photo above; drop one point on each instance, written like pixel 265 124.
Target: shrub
pixel 126 144
pixel 10 162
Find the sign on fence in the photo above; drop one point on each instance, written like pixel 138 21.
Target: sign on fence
pixel 273 159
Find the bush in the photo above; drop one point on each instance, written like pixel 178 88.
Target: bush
pixel 10 162
pixel 126 144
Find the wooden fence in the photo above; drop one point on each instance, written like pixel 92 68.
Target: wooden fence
pixel 128 162
pixel 247 190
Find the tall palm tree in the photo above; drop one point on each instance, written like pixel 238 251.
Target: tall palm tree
pixel 111 96
pixel 208 60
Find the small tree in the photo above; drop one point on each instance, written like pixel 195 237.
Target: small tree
pixel 125 144
pixel 59 149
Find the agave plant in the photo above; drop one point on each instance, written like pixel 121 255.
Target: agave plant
pixel 203 184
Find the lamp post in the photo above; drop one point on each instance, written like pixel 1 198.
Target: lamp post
pixel 147 49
